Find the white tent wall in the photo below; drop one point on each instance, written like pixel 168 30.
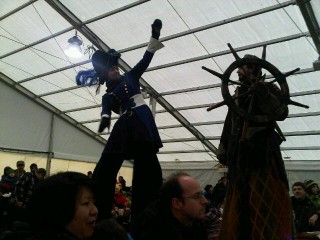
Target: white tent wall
pixel 206 173
pixel 26 125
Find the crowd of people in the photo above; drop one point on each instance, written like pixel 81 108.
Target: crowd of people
pixel 16 189
pixel 182 210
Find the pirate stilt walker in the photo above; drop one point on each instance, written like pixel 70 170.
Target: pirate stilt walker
pixel 257 203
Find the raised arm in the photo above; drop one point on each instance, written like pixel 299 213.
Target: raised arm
pixel 153 46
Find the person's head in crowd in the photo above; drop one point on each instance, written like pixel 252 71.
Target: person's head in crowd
pixel 40 173
pixel 33 167
pixel 64 201
pixel 89 174
pixel 208 188
pixel 8 180
pixel 299 191
pixel 182 195
pixel 117 189
pixel 20 165
pixel 8 171
pixel 312 187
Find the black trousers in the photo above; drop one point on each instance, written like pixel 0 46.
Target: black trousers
pixel 146 182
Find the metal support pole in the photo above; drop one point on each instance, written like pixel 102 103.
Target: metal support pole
pixel 50 153
pixel 313 26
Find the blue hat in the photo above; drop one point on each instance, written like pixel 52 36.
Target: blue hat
pixel 102 61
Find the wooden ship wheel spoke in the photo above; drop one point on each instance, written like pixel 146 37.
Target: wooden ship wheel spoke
pixel 229 100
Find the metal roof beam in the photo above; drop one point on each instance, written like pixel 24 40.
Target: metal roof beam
pixel 219 23
pixel 311 22
pixel 17 9
pixel 299 148
pixel 221 53
pixel 184 151
pixel 213 138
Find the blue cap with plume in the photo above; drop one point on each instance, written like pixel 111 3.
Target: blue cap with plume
pixel 102 61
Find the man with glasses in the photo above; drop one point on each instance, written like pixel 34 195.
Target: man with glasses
pixel 20 169
pixel 179 213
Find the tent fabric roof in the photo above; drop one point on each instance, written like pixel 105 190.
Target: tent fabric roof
pixel 35 34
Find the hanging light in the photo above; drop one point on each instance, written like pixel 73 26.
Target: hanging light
pixel 73 49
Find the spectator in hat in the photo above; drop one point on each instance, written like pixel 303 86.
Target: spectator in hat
pixel 20 169
pixel 312 189
pixel 134 135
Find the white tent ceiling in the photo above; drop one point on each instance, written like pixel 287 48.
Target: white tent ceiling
pixel 33 35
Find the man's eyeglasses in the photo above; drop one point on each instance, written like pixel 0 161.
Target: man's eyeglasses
pixel 196 196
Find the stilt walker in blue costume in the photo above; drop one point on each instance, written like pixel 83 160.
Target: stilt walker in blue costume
pixel 134 135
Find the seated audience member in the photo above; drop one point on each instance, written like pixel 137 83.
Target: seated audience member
pixel 7 184
pixel 213 222
pixel 89 174
pixel 22 193
pixel 33 167
pixel 63 205
pixel 109 229
pixel 214 219
pixel 121 210
pixel 179 213
pixel 305 213
pixel 122 182
pixel 208 193
pixel 120 200
pixel 62 208
pixel 312 189
pixel 8 180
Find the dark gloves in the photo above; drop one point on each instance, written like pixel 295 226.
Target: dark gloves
pixel 223 159
pixel 104 122
pixel 156 27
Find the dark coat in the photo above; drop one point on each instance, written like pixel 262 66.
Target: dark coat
pixel 137 125
pixel 158 224
pixel 303 210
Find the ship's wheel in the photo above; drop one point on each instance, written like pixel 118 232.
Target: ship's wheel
pixel 277 76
